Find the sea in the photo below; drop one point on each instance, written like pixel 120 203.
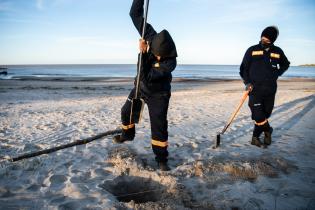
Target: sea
pixel 129 70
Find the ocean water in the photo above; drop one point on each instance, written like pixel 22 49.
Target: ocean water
pixel 129 70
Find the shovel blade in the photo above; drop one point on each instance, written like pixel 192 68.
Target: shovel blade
pixel 217 141
pixel 136 110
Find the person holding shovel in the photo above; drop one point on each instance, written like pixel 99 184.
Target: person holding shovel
pixel 261 66
pixel 157 62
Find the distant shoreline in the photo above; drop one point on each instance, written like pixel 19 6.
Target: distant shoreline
pixel 307 65
pixel 128 71
pixel 7 66
pixel 131 79
pixel 112 79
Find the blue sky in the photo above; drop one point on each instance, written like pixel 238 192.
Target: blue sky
pixel 100 31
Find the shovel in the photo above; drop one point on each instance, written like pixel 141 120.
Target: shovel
pixel 137 103
pixel 218 139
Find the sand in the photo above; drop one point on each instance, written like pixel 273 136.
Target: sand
pixel 40 114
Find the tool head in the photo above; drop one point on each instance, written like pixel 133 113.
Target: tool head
pixel 217 141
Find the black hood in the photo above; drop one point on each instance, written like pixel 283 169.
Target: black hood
pixel 271 33
pixel 163 45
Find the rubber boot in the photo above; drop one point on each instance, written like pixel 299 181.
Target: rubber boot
pixel 267 138
pixel 126 135
pixel 256 141
pixel 163 166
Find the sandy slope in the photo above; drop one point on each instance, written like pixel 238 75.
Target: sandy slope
pixel 39 114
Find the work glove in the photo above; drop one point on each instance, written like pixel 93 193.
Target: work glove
pixel 249 87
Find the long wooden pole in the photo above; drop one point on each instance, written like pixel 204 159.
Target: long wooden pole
pixel 245 94
pixel 218 138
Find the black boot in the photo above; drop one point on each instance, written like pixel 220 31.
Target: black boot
pixel 163 166
pixel 256 141
pixel 267 139
pixel 126 135
pixel 120 139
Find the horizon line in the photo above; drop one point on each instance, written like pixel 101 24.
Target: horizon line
pixel 181 64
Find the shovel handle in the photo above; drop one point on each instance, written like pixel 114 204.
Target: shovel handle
pixel 145 17
pixel 245 94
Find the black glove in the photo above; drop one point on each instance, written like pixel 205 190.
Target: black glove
pixel 249 87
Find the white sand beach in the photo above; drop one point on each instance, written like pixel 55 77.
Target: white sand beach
pixel 36 115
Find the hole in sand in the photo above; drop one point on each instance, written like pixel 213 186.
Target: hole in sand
pixel 138 189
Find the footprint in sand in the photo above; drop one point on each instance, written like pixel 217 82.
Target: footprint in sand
pixel 58 199
pixel 6 193
pixel 34 187
pixel 253 204
pixel 57 181
pixel 74 204
pixel 31 147
pixel 82 177
pixel 102 172
pixel 69 205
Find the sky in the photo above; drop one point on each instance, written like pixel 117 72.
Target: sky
pixel 101 31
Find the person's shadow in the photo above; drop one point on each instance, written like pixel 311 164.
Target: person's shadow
pixel 303 110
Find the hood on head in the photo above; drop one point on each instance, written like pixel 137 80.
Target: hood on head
pixel 163 45
pixel 271 32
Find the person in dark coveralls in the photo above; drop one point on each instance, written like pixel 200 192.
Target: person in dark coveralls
pixel 261 66
pixel 159 60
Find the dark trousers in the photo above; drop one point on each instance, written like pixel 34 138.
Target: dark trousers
pixel 261 103
pixel 157 105
pixel 261 106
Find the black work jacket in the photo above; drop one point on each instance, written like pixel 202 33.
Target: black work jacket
pixel 263 67
pixel 156 76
